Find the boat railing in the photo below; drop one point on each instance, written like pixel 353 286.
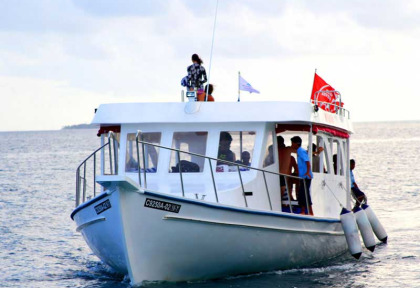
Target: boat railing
pixel 333 107
pixel 142 172
pixel 84 175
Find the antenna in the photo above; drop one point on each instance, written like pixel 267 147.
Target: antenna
pixel 211 51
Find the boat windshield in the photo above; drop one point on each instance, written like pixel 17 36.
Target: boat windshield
pixel 193 142
pixel 151 153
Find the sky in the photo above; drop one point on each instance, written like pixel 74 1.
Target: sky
pixel 61 59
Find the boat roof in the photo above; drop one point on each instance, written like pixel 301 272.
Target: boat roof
pixel 286 112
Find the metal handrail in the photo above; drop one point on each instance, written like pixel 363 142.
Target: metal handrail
pixel 111 135
pixel 79 178
pixel 138 136
pixel 339 109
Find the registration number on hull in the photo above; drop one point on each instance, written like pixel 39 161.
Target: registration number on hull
pixel 162 205
pixel 102 207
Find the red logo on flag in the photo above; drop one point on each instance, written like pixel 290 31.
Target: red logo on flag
pixel 324 95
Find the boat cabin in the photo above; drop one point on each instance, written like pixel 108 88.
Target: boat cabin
pixel 225 153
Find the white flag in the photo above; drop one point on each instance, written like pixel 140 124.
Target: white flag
pixel 245 86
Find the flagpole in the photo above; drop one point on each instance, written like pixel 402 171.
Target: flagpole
pixel 211 52
pixel 239 86
pixel 313 86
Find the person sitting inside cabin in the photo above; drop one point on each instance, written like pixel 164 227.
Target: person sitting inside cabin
pixel 269 158
pixel 358 195
pixel 201 95
pixel 246 157
pixel 224 152
pixel 245 160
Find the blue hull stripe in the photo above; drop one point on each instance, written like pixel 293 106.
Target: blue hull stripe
pixel 286 215
pixel 184 200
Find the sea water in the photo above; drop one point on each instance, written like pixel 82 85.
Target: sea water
pixel 39 246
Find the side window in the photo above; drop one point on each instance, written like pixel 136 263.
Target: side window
pixel 106 169
pixel 151 153
pixel 235 146
pixel 269 151
pixel 340 158
pixel 324 156
pixel 316 157
pixel 345 160
pixel 337 158
pixel 193 142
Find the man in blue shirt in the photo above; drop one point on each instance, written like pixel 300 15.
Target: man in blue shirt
pixel 305 172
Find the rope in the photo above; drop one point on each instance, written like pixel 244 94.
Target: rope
pixel 341 205
pixel 211 51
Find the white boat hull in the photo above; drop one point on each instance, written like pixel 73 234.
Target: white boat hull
pixel 179 239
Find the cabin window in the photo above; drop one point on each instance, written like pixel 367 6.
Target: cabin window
pixel 106 168
pixel 188 142
pixel 269 152
pixel 325 156
pixel 317 164
pixel 235 146
pixel 338 158
pixel 151 153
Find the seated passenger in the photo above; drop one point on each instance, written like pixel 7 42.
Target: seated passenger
pixel 245 157
pixel 201 95
pixel 359 196
pixel 186 166
pixel 224 152
pixel 269 158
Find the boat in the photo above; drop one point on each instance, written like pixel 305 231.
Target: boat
pixel 157 201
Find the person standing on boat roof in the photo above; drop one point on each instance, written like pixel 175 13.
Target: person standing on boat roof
pixel 196 74
pixel 304 166
pixel 359 195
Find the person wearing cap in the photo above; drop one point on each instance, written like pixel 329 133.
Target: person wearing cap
pixel 305 172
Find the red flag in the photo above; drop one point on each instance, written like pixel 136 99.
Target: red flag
pixel 323 95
